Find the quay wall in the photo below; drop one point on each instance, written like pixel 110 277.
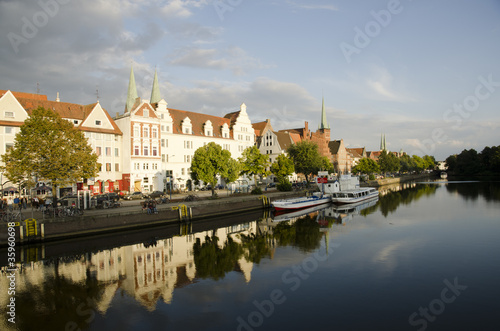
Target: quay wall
pixel 126 218
pixel 396 180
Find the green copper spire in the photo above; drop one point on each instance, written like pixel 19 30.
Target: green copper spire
pixel 132 92
pixel 382 142
pixel 324 123
pixel 155 92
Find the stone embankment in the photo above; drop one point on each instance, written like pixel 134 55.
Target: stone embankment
pixel 98 221
pixel 396 180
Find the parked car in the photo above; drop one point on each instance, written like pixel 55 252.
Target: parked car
pixel 153 195
pixel 271 185
pixel 113 196
pixel 134 196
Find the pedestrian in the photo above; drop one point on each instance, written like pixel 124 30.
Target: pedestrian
pixel 24 201
pixel 36 202
pixel 17 202
pixel 10 203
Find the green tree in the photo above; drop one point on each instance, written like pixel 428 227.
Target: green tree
pixel 326 165
pixel 366 166
pixel 430 162
pixel 406 163
pixel 50 148
pixel 418 163
pixel 282 168
pixel 211 162
pixel 388 162
pixel 253 163
pixel 306 158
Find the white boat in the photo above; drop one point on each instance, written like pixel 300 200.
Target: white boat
pixel 354 196
pixel 444 175
pixel 318 198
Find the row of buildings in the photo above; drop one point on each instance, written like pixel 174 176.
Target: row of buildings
pixel 150 145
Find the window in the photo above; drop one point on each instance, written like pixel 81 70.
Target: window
pixel 8 130
pixel 98 136
pixel 136 150
pixel 168 128
pixel 117 167
pixel 75 122
pixel 9 114
pixel 108 151
pixel 182 171
pixel 136 131
pixel 154 132
pixel 117 152
pixel 186 130
pixel 154 152
pixel 155 166
pixel 145 166
pixel 145 132
pixel 145 180
pixel 163 158
pixel 8 146
pixel 108 166
pixel 98 151
pixel 146 150
pixel 97 122
pixel 163 143
pixel 137 166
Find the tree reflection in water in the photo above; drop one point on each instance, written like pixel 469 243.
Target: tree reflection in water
pixel 214 261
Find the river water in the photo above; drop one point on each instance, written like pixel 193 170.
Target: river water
pixel 425 256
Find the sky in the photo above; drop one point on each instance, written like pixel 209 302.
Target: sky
pixel 424 73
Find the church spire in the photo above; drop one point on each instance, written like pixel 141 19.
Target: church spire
pixel 155 92
pixel 324 123
pixel 132 92
pixel 382 142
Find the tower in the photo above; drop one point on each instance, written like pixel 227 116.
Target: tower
pixel 132 92
pixel 155 92
pixel 324 124
pixel 382 142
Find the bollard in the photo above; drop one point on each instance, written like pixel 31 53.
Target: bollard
pixel 42 230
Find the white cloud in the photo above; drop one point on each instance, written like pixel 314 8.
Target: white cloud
pixel 232 58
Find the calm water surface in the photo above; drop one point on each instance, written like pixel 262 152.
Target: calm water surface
pixel 425 256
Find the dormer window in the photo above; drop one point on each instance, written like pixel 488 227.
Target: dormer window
pixel 187 127
pixel 208 128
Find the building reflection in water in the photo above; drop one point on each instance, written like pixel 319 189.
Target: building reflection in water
pixel 150 271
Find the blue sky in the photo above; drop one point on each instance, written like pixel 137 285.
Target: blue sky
pixel 426 73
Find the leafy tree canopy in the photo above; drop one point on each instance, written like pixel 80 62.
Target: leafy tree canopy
pixel 306 158
pixel 366 166
pixel 282 167
pixel 253 162
pixel 388 162
pixel 49 147
pixel 211 162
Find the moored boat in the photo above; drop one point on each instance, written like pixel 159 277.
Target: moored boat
pixel 444 175
pixel 354 196
pixel 317 198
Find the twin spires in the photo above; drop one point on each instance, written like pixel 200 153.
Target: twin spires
pixel 132 91
pixel 383 143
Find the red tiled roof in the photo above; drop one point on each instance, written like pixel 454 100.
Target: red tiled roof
pixel 69 111
pixel 198 121
pixel 24 95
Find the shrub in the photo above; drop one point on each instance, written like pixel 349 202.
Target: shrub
pixel 256 190
pixel 285 186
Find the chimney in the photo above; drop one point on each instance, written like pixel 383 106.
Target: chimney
pixel 57 97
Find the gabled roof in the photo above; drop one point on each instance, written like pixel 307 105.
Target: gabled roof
pixel 198 121
pixel 357 152
pixel 66 110
pixel 334 146
pixel 284 139
pixel 232 117
pixel 295 137
pixel 259 127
